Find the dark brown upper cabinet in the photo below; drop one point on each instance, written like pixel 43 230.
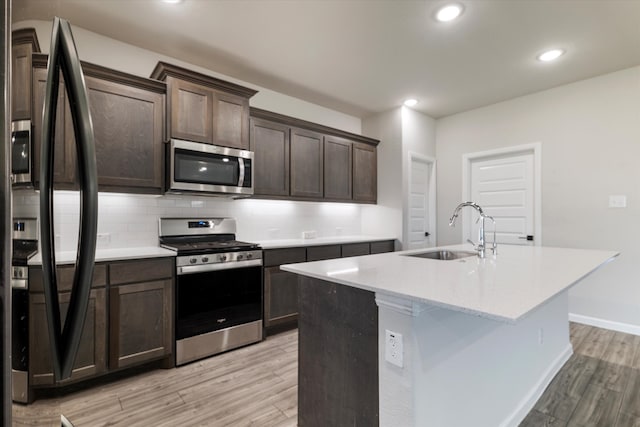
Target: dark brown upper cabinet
pixel 205 109
pixel 128 123
pixel 24 44
pixel 337 168
pixel 299 160
pixel 306 164
pixel 365 181
pixel 270 143
pixel 64 167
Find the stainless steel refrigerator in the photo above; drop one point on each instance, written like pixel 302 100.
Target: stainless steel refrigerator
pixel 64 335
pixel 5 218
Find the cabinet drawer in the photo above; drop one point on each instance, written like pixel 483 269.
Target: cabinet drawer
pixel 355 249
pixel 64 274
pixel 381 247
pixel 317 253
pixel 284 256
pixel 140 270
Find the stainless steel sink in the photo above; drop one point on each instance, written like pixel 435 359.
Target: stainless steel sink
pixel 444 254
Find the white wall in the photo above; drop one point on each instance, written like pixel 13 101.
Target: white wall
pixel 590 136
pixel 401 130
pixel 131 220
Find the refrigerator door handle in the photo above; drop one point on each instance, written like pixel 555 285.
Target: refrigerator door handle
pixel 63 56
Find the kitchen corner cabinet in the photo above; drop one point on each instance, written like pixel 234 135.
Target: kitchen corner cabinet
pixel 365 182
pixel 127 114
pixel 281 287
pixel 141 310
pixel 24 44
pixel 298 160
pixel 129 321
pixel 205 109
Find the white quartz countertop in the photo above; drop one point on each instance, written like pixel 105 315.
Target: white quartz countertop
pixel 319 241
pixel 112 254
pixel 504 288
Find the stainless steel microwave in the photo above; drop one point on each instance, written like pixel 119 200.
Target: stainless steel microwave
pixel 21 159
pixel 195 167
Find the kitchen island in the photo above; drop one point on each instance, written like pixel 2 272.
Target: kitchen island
pixel 481 338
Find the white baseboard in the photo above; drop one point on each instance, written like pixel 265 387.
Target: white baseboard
pixel 530 399
pixel 627 328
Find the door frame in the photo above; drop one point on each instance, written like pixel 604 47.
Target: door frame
pixel 432 224
pixel 536 149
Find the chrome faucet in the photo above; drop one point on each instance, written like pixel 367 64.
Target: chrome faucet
pixel 481 246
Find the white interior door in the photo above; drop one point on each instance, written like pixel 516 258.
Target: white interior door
pixel 504 187
pixel 420 215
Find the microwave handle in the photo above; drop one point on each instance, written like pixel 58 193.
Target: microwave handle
pixel 241 178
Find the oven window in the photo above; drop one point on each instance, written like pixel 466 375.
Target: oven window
pixel 206 302
pixel 20 152
pixel 206 168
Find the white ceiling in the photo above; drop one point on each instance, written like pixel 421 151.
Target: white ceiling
pixel 365 56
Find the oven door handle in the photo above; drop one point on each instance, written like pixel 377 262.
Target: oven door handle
pixel 190 269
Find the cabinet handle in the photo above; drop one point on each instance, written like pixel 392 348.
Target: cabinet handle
pixel 65 341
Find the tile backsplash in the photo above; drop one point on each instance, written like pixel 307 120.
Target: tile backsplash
pixel 128 220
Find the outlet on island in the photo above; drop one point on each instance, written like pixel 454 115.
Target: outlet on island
pixel 393 348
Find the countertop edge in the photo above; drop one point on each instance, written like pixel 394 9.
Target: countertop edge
pixel 320 241
pixel 104 255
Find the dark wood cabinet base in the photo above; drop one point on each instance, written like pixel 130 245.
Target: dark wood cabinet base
pixel 337 355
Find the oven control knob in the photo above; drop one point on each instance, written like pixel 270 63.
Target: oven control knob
pixel 205 259
pixel 222 258
pixel 239 257
pixel 249 255
pixel 193 260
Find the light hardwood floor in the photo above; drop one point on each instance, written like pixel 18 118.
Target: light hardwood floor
pixel 251 386
pixel 257 386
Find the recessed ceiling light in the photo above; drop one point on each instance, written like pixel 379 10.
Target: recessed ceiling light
pixel 449 12
pixel 410 102
pixel 550 55
pixel 172 1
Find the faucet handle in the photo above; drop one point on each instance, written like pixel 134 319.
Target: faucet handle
pixel 472 244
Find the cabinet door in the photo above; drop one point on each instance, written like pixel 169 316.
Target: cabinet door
pixel 21 82
pixel 191 111
pixel 64 168
pixel 140 323
pixel 382 247
pixel 365 184
pixel 306 164
pixel 280 296
pixel 127 125
pixel 337 168
pixel 355 249
pixel 270 144
pixel 91 358
pixel 230 121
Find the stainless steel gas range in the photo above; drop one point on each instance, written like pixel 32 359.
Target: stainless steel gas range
pixel 218 286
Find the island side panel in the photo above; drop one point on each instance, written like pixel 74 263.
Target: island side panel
pixel 337 355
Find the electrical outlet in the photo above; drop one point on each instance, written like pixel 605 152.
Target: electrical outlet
pixel 309 234
pixel 541 336
pixel 103 239
pixel 393 349
pixel 618 201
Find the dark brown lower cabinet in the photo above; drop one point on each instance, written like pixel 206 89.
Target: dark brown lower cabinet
pixel 281 287
pixel 131 327
pixel 91 359
pixel 280 296
pixel 141 327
